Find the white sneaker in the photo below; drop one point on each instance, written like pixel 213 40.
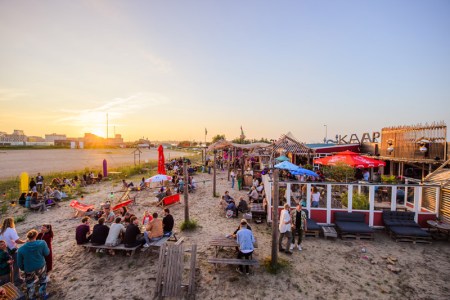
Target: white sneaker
pixel 291 247
pixel 300 248
pixel 146 245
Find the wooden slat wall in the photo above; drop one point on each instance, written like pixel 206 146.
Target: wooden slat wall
pixel 429 198
pixel 444 211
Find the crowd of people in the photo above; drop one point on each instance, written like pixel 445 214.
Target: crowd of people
pixel 124 228
pixel 29 264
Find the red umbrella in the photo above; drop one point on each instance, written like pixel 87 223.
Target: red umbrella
pixel 350 158
pixel 161 166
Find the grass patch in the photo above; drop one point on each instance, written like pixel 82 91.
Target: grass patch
pixel 19 219
pixel 4 208
pixel 281 265
pixel 189 225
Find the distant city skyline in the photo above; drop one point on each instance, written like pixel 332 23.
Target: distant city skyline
pixel 168 70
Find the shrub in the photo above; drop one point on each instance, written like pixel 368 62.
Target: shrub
pixel 281 265
pixel 388 179
pixel 189 225
pixel 19 219
pixel 359 201
pixel 339 173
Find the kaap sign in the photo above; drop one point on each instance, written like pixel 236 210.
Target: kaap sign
pixel 364 139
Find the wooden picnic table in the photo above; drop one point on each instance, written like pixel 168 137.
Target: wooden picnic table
pixel 219 242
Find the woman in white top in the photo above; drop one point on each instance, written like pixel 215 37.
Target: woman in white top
pixel 9 234
pixel 315 197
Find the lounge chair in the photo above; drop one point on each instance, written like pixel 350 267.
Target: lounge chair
pixel 122 204
pixel 80 206
pixel 169 200
pixel 402 228
pixel 313 229
pixel 352 225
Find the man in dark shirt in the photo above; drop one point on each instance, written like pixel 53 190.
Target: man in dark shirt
pixel 82 232
pixel 132 236
pixel 99 233
pixel 168 222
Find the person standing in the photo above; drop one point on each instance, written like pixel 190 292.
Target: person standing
pixel 31 260
pixel 8 233
pixel 239 178
pixel 233 176
pixel 5 264
pixel 40 182
pixel 32 185
pixel 46 235
pixel 299 226
pixel 245 240
pixel 285 229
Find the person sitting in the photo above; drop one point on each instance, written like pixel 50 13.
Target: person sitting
pixel 147 218
pixel 35 204
pixel 253 195
pixel 193 184
pixel 260 188
pixel 167 222
pixel 227 197
pixel 108 215
pixel 154 230
pixel 161 194
pixel 245 240
pixel 180 186
pixel 132 236
pixel 143 184
pixel 82 233
pixel 126 185
pixel 231 210
pixel 28 200
pixel 122 212
pixel 32 185
pixel 114 234
pixel 242 205
pixel 99 233
pixel 56 195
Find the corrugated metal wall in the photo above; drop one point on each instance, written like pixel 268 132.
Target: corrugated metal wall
pixel 429 198
pixel 444 211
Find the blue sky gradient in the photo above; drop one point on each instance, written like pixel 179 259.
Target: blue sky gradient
pixel 168 69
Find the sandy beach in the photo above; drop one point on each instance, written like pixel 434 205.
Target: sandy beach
pixel 14 162
pixel 325 269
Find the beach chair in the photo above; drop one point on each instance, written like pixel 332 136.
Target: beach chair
pixel 169 200
pixel 122 204
pixel 80 206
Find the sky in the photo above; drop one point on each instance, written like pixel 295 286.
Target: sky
pixel 166 70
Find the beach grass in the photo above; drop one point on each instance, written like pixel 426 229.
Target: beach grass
pixel 189 225
pixel 281 265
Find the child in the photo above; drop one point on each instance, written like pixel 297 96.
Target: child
pixel 5 264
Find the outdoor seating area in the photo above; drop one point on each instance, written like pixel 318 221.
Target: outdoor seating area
pixel 402 227
pixel 352 225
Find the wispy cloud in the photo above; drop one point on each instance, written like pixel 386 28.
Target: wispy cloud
pixel 161 64
pixel 116 108
pixel 7 94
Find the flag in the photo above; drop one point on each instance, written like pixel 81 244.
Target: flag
pixel 206 132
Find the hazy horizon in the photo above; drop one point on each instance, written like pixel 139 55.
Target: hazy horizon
pixel 168 70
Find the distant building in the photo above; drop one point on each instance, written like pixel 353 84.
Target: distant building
pixel 17 136
pixel 54 137
pixel 34 139
pixel 116 141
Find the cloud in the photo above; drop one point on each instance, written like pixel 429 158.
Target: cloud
pixel 116 108
pixel 7 94
pixel 161 65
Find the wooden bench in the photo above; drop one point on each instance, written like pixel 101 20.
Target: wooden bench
pixel 232 261
pixel 170 272
pixel 159 243
pixel 89 246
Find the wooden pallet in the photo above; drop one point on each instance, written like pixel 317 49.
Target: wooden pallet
pixel 411 239
pixel 329 231
pixel 357 236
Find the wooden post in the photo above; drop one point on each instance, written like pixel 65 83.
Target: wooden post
pixel 186 191
pixel 275 202
pixel 214 176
